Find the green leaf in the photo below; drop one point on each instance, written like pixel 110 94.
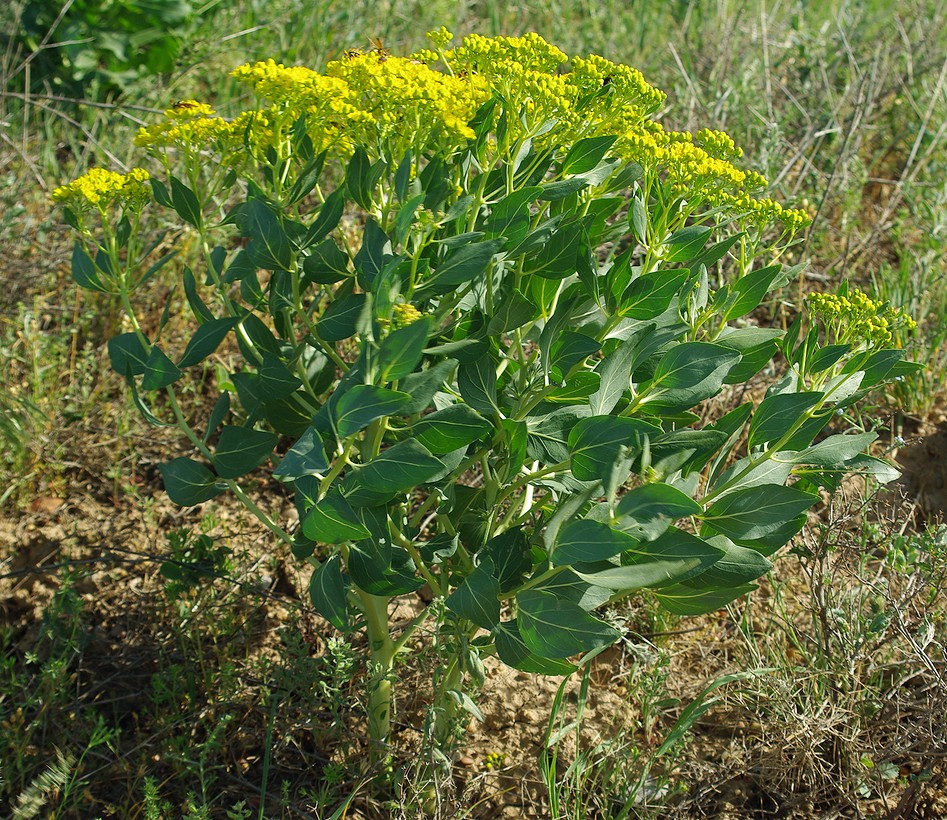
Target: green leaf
pixel 776 415
pixel 515 310
pixel 327 592
pixel 477 383
pixel 670 559
pixel 188 482
pixel 450 429
pixel 306 457
pixel 596 442
pixel 422 386
pixel 364 403
pixel 647 511
pixel 217 415
pixel 570 349
pixel 511 557
pixel 185 203
pixel 402 466
pixel 570 587
pixel 374 254
pixel 160 371
pixel 836 451
pixel 241 449
pixel 307 179
pixel 648 296
pixel 332 521
pixel 737 566
pixel 127 354
pixel 206 340
pixel 513 652
pixel 330 213
pixel 586 540
pixel 686 243
pixel 326 264
pixel 768 514
pixel 276 379
pixel 361 177
pixel 586 153
pixel 269 245
pixel 555 628
pixel 558 257
pixel 751 289
pixel 342 317
pixel 477 599
pixel 84 271
pixel 548 435
pixel 201 311
pixel 689 373
pixel 682 599
pixel 462 266
pixel 401 350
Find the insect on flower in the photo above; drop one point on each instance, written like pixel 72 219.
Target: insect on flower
pixel 185 105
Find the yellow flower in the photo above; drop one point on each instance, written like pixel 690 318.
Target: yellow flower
pixel 102 188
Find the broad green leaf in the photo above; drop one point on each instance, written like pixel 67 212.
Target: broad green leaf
pixel 515 310
pixel 450 429
pixel 512 650
pixel 555 628
pixel 84 272
pixel 185 203
pixel 682 599
pixel 648 296
pixel 127 354
pixel 361 177
pixel 596 442
pixel 462 266
pixel 269 245
pixel 363 404
pixel 510 554
pixel 373 256
pixel 586 153
pixel 836 451
pixel 405 218
pixel 342 317
pixel 306 457
pixel 570 587
pixel 477 599
pixel 685 244
pixel 685 449
pixel 276 379
pixel 615 377
pixel 401 467
pixel 332 521
pixel 768 515
pixel 773 470
pixel 673 557
pixel 326 264
pixel 877 468
pixel 308 176
pixel 751 290
pixel 241 449
pixel 548 435
pixel 572 348
pixel 587 540
pixel 327 592
pixel 401 350
pixel 201 311
pixel 422 386
pixel 188 482
pixel 776 415
pixel 372 570
pixel 160 371
pixel 477 383
pixel 645 512
pixel 689 373
pixel 206 340
pixel 330 213
pixel 558 257
pixel 217 415
pixel 738 565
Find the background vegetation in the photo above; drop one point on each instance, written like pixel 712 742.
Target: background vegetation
pixel 159 663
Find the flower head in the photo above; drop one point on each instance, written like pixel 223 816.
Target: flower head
pixel 101 189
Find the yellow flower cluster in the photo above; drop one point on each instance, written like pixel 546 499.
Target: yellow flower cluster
pixel 405 98
pixel 187 125
pixel 102 189
pixel 855 318
pixel 404 315
pixel 494 760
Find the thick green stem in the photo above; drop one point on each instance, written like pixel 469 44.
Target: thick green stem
pixel 381 657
